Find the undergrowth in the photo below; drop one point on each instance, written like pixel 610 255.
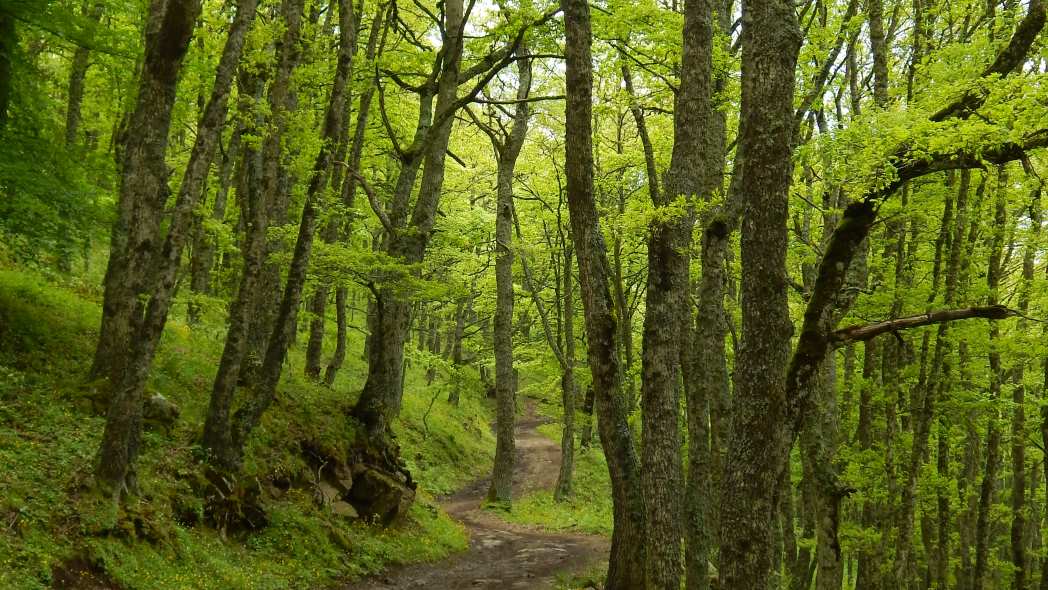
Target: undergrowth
pixel 49 434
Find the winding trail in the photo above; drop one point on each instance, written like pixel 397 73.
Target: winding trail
pixel 502 555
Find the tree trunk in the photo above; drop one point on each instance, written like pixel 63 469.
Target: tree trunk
pixel 1018 434
pixel 759 440
pixel 134 251
pixel 380 400
pixel 925 411
pixel 870 557
pixel 203 258
pixel 8 47
pixel 249 415
pixel 993 434
pixel 456 349
pixel 626 561
pixel 568 387
pixel 258 184
pixel 143 184
pixel 77 73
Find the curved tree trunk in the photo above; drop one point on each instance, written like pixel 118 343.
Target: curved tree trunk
pixel 626 562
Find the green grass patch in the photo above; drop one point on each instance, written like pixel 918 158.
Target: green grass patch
pixel 589 508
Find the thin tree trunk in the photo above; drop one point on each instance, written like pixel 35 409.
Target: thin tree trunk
pixel 568 387
pixel 1020 561
pixel 993 434
pixel 77 74
pixel 203 258
pixel 456 350
pixel 8 48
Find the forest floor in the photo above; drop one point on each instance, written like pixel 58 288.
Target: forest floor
pixel 504 555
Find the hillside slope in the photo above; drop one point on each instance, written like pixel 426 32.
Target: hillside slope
pixel 52 531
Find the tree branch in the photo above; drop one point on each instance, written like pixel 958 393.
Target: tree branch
pixel 376 206
pixel 846 336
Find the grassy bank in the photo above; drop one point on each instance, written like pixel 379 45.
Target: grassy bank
pixel 49 434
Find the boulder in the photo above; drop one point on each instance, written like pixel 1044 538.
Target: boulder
pixel 344 509
pixel 381 496
pixel 160 412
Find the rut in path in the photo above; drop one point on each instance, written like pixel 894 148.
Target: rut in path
pixel 503 555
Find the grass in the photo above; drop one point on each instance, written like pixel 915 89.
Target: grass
pixel 48 437
pixel 588 509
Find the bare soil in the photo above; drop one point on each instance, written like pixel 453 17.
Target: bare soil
pixel 502 555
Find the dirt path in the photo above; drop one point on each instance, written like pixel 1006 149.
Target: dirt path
pixel 503 555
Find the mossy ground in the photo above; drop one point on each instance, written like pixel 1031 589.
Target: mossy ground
pixel 48 437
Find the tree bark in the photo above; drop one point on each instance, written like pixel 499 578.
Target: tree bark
pixel 568 388
pixel 759 442
pixel 626 561
pixel 993 430
pixel 77 74
pixel 143 183
pixel 143 194
pixel 507 149
pixel 258 184
pixel 1020 562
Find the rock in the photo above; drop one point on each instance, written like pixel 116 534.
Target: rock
pixel 329 493
pixel 342 478
pixel 160 412
pixel 380 496
pixel 344 509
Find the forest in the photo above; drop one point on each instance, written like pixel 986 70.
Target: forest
pixel 621 294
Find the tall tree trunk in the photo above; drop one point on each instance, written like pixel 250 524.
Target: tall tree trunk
pixel 925 411
pixel 8 47
pixel 456 349
pixel 203 259
pixel 704 361
pixel 507 150
pixel 1020 562
pixel 870 558
pixel 143 183
pixel 993 429
pixel 249 415
pixel 259 184
pixel 143 195
pixel 407 239
pixel 759 440
pixel 627 558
